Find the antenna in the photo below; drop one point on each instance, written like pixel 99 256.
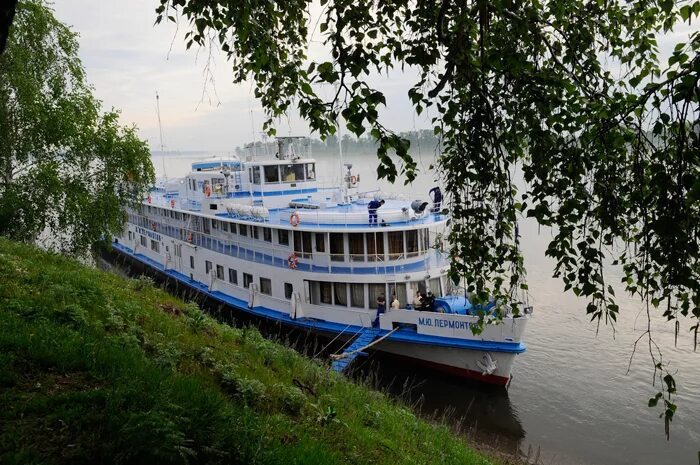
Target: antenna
pixel 160 130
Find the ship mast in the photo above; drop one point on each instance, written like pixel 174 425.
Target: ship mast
pixel 160 130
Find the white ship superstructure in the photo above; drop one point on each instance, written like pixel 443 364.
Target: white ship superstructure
pixel 266 237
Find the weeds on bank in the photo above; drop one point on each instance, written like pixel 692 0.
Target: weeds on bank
pixel 98 369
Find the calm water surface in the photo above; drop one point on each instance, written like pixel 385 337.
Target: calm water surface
pixel 571 395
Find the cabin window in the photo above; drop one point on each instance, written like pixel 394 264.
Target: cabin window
pixel 395 239
pixel 375 290
pixel 357 295
pixel 398 290
pixel 207 266
pixel 434 286
pixel 288 290
pixel 191 262
pixel 267 234
pixel 375 246
pixel 214 224
pixel 302 243
pixel 224 226
pixel 243 229
pixel 256 175
pixel 412 243
pixel 426 240
pixel 292 173
pixel 356 243
pixel 282 237
pixel 326 292
pixel 233 228
pixel 337 247
pixel 265 286
pixel 247 280
pixel 310 171
pixel 232 276
pixel 340 291
pixel 254 231
pixel 320 242
pixel 155 246
pixel 272 174
pixel 219 272
pixel 213 206
pixel 143 241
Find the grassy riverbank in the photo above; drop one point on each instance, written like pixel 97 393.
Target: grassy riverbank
pixel 98 369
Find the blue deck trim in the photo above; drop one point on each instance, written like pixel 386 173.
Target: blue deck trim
pixel 404 335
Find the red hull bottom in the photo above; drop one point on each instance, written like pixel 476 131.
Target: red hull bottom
pixel 455 371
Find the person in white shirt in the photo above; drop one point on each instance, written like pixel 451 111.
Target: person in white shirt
pixel 395 304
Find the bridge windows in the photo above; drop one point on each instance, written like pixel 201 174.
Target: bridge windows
pixel 356 243
pixel 412 243
pixel 292 173
pixel 272 174
pixel 375 246
pixel 337 243
pixel 395 239
pixel 320 242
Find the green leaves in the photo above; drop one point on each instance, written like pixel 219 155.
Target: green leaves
pixel 66 169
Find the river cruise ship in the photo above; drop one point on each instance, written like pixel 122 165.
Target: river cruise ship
pixel 264 236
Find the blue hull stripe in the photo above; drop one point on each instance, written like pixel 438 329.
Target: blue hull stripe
pixel 404 336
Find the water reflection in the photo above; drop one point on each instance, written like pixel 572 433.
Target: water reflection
pixel 483 412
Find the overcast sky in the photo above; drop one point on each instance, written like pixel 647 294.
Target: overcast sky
pixel 128 59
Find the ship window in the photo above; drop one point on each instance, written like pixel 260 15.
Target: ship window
pixel 272 174
pixel 265 286
pixel 426 240
pixel 232 276
pixel 243 229
pixel 224 226
pixel 267 234
pixel 395 239
pixel 288 290
pixel 434 285
pixel 292 173
pixel 207 266
pixel 340 291
pixel 310 171
pixel 320 242
pixel 357 295
pixel 325 290
pixel 256 175
pixel 213 206
pixel 254 231
pixel 375 246
pixel 375 290
pixel 214 224
pixel 356 243
pixel 155 246
pixel 412 243
pixel 247 280
pixel 283 237
pixel 143 241
pixel 219 272
pixel 302 243
pixel 337 247
pixel 191 262
pixel 398 289
pixel 233 228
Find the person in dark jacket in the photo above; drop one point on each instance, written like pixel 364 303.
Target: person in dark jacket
pixel 437 199
pixel 372 210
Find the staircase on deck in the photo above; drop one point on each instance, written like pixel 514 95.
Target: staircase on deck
pixel 365 336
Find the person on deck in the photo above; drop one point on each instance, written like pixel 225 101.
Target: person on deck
pixel 372 210
pixel 429 301
pixel 417 302
pixel 381 308
pixel 437 199
pixel 395 304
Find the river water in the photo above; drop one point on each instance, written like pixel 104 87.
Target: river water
pixel 571 398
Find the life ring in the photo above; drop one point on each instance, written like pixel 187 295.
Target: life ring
pixel 154 226
pixel 293 261
pixel 353 179
pixel 189 237
pixel 294 219
pixel 172 203
pixel 207 190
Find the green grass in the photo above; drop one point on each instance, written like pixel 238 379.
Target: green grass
pixel 95 368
